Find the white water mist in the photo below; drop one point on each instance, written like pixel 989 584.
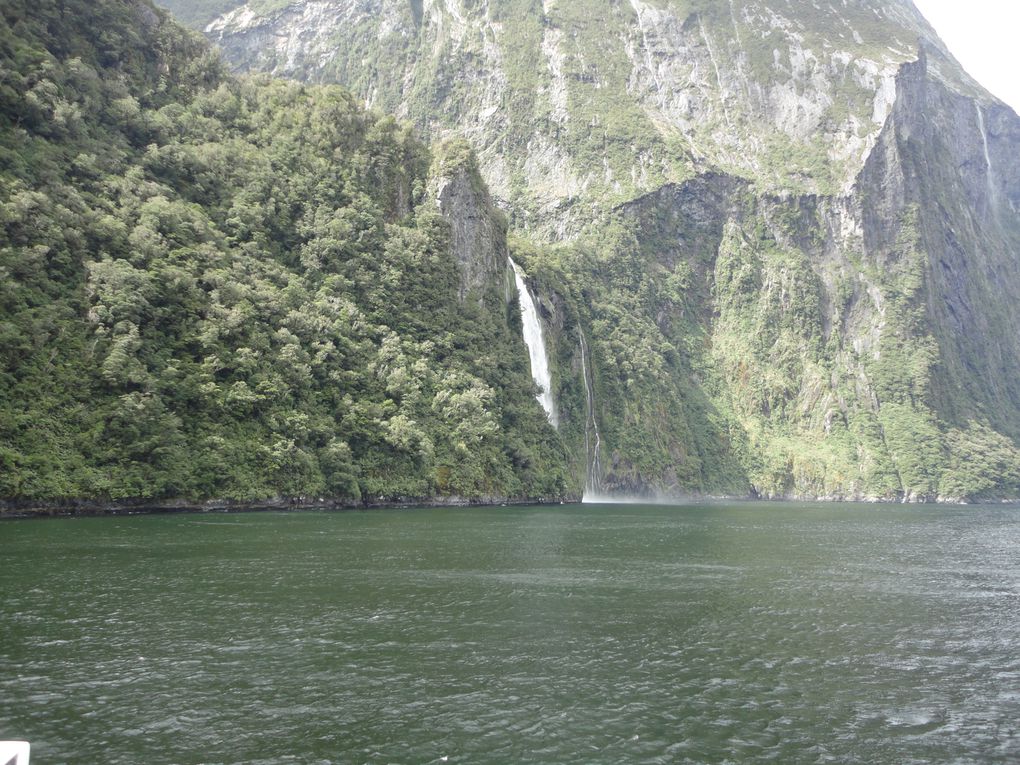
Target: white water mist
pixel 535 342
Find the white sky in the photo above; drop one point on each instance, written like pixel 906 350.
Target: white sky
pixel 984 35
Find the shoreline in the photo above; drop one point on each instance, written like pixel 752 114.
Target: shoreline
pixel 81 508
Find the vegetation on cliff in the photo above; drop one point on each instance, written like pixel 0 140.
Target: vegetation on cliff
pixel 782 267
pixel 786 230
pixel 735 354
pixel 233 288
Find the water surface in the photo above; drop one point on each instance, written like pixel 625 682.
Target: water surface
pixel 586 634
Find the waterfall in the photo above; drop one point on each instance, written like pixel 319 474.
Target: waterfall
pixel 536 346
pixel 984 142
pixel 592 441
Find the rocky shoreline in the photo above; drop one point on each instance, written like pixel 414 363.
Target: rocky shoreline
pixel 76 508
pixel 14 509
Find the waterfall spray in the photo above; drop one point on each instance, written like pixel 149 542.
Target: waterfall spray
pixel 536 347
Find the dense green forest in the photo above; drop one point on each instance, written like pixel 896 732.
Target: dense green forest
pixel 240 288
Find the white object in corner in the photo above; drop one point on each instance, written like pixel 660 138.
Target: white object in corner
pixel 14 752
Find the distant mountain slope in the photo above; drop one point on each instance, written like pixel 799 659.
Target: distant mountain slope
pixel 570 102
pixel 787 230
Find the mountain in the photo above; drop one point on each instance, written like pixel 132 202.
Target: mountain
pixel 787 230
pixel 772 245
pixel 242 289
pixel 570 102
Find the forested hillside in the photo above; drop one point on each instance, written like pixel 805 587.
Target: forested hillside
pixel 222 288
pixel 776 242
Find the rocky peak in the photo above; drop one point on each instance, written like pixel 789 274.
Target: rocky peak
pixel 477 228
pixel 566 112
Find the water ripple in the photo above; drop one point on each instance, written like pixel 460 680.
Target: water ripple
pixel 573 635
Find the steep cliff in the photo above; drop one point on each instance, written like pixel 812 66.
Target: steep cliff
pixel 478 229
pixel 789 231
pixel 859 345
pixel 581 102
pixel 774 246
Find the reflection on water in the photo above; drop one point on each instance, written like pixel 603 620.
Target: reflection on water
pixel 587 634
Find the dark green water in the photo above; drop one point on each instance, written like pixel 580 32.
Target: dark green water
pixel 590 634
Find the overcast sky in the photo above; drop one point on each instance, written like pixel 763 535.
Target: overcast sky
pixel 984 35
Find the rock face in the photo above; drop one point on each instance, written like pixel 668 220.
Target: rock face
pixel 814 294
pixel 477 228
pixel 570 103
pixel 851 336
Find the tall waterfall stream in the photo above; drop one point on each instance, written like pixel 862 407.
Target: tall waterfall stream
pixel 984 143
pixel 536 346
